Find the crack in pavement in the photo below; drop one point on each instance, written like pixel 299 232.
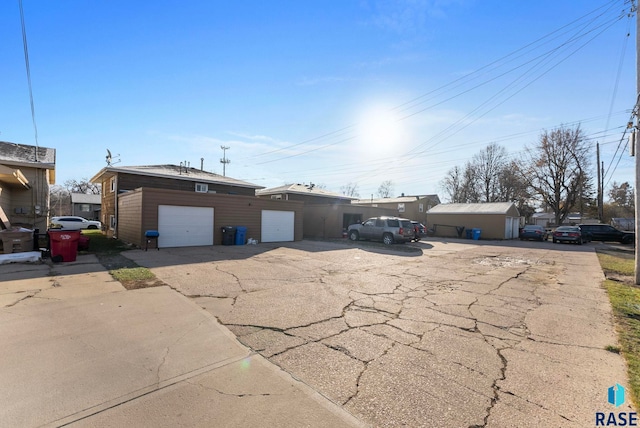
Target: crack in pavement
pixel 228 394
pixel 485 305
pixel 503 359
pixel 30 294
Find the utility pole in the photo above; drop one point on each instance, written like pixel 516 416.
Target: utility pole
pixel 224 161
pixel 634 9
pixel 600 210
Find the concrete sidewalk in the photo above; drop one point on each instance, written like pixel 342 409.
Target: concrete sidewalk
pixel 77 349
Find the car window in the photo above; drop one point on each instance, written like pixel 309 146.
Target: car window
pixel 370 223
pixel 393 223
pixel 407 224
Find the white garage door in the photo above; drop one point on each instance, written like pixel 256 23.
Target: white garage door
pixel 184 226
pixel 277 226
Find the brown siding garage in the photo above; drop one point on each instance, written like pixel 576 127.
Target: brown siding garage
pixel 328 221
pixel 138 212
pixel 496 220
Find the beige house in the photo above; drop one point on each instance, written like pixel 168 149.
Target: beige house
pixel 495 220
pixel 327 215
pixel 26 172
pixel 307 193
pixel 331 221
pixel 411 207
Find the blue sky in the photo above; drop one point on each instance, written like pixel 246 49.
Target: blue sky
pixel 329 92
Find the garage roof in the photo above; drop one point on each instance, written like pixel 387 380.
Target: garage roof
pixel 175 172
pixel 302 189
pixel 481 208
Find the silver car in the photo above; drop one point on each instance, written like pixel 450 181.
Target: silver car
pixel 389 230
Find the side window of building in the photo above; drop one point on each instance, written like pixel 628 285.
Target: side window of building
pixel 202 187
pixel 112 221
pixel 112 184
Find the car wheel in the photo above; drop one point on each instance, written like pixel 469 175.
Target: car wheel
pixel 92 227
pixel 387 238
pixel 354 235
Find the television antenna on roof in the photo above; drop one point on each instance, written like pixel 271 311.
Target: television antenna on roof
pixel 110 160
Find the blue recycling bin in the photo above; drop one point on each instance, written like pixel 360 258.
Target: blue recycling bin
pixel 241 233
pixel 476 234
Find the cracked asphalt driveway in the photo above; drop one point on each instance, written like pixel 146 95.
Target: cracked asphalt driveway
pixel 453 333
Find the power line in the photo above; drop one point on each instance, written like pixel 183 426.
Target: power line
pixel 584 30
pixel 26 61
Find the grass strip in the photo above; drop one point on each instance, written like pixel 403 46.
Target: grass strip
pixel 625 302
pixel 123 270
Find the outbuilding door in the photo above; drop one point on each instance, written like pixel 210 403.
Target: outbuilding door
pixel 184 226
pixel 512 227
pixel 278 226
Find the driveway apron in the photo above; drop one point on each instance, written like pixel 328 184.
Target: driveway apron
pixel 438 333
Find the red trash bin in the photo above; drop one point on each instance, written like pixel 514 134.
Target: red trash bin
pixel 64 243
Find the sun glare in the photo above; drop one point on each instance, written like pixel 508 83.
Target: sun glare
pixel 379 131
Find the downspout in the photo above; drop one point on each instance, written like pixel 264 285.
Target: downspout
pixel 116 205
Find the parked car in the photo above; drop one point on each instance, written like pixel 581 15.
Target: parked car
pixel 71 222
pixel 568 234
pixel 604 232
pixel 419 230
pixel 386 229
pixel 532 231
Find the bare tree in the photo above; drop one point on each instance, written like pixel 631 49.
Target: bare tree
pixel 59 201
pixel 350 189
pixel 461 185
pixel 452 184
pixel 556 169
pixel 488 165
pixel 82 186
pixel 386 189
pixel 513 188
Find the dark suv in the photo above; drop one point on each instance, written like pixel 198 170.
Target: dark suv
pixel 385 229
pixel 604 232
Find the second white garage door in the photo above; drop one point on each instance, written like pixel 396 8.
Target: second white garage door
pixel 184 226
pixel 278 226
